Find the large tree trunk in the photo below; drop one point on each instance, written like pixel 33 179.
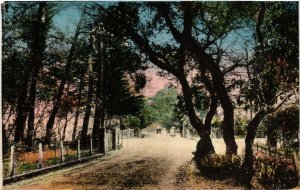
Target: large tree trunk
pixel 21 107
pixel 75 124
pixel 251 132
pixel 205 61
pixel 38 47
pixel 11 112
pixel 4 140
pixel 99 92
pixel 228 124
pixel 57 100
pixel 211 112
pixel 30 129
pixel 247 167
pixel 204 146
pixel 55 109
pixel 254 123
pixel 221 92
pixel 87 114
pixel 78 107
pixel 66 117
pixel 65 128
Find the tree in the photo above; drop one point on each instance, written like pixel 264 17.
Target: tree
pixel 179 21
pixel 272 73
pixel 37 45
pixel 78 103
pixel 88 106
pixel 216 29
pixel 66 76
pixel 114 60
pixel 13 63
pixel 122 13
pixel 282 126
pixel 159 109
pixel 112 63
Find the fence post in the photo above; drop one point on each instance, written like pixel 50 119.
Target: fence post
pixel 67 148
pixel 61 148
pixel 12 161
pixel 40 164
pixel 55 150
pixel 118 132
pixel 122 137
pixel 91 147
pixel 78 149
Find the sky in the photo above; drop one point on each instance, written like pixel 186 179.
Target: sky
pixel 67 19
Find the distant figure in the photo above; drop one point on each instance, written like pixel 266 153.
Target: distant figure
pixel 158 130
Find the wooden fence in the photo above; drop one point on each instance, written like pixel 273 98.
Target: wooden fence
pixel 287 156
pixel 272 151
pixel 20 160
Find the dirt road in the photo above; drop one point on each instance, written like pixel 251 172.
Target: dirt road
pixel 152 162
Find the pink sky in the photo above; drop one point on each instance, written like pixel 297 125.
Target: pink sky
pixel 155 83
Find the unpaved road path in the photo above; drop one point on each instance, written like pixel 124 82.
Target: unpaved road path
pixel 152 162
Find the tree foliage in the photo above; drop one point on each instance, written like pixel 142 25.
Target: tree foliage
pixel 282 126
pixel 159 109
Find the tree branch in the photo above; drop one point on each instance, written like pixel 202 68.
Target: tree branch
pixel 154 57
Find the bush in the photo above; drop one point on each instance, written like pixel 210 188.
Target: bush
pixel 52 161
pixel 216 125
pixel 282 126
pixel 276 173
pixel 69 157
pixel 219 165
pixel 26 167
pixel 241 126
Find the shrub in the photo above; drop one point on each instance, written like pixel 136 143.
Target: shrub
pixel 216 125
pixel 241 126
pixel 276 173
pixel 282 126
pixel 219 165
pixel 52 161
pixel 26 167
pixel 69 157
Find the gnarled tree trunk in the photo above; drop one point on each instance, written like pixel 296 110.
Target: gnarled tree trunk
pixel 248 159
pixel 221 92
pixel 205 61
pixel 204 146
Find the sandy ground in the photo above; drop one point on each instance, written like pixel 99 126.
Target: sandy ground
pixel 157 161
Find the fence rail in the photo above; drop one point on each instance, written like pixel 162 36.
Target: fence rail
pixel 19 160
pixel 288 157
pixel 270 151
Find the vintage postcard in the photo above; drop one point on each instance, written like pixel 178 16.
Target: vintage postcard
pixel 150 95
